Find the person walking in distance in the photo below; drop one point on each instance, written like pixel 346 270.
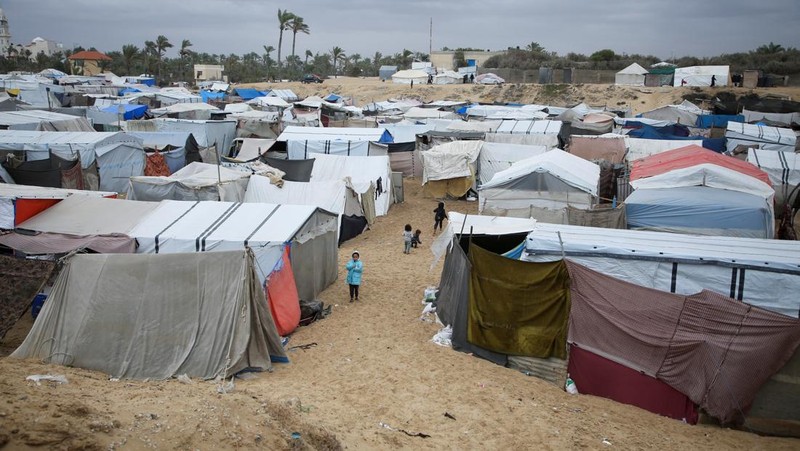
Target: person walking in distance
pixel 354 269
pixel 439 215
pixel 408 236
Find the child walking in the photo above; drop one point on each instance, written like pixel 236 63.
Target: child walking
pixel 407 238
pixel 415 240
pixel 354 269
pixel 439 215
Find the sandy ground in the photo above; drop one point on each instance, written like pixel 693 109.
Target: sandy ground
pixel 637 99
pixel 369 371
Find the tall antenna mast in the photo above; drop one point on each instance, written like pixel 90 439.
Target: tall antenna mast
pixel 430 40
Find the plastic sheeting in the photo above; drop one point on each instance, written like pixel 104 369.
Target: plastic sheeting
pixel 369 176
pixel 783 169
pixel 496 157
pixel 700 210
pixel 294 170
pixel 640 147
pixel 450 160
pixel 197 181
pixel 156 317
pixel 86 215
pixel 702 76
pixel 550 140
pixel 596 148
pixel 21 202
pixel 206 133
pixel 763 137
pixel 764 273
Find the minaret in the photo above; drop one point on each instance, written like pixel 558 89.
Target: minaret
pixel 5 34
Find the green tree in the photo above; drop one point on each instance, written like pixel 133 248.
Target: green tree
pixel 162 44
pixel 458 59
pixel 337 54
pixel 770 49
pixel 603 55
pixel 308 55
pixel 284 17
pixel 130 55
pixel 267 60
pixel 297 25
pixel 185 57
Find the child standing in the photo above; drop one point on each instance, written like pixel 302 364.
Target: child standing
pixel 407 237
pixel 415 240
pixel 354 269
pixel 439 215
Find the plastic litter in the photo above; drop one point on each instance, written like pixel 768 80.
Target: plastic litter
pixel 38 378
pixel 225 386
pixel 184 379
pixel 430 294
pixel 570 386
pixel 443 337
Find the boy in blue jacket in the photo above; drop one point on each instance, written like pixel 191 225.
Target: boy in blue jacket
pixel 354 269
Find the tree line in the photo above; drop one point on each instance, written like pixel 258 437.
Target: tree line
pixel 771 58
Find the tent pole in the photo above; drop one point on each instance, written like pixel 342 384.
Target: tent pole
pixel 219 162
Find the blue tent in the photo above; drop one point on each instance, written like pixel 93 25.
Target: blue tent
pixel 386 137
pixel 124 91
pixel 333 98
pixel 699 210
pixel 211 95
pixel 131 111
pixel 650 132
pixel 717 120
pixel 249 93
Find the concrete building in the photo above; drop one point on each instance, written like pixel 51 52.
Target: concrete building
pixel 5 33
pixel 87 62
pixel 42 45
pixel 443 59
pixel 209 72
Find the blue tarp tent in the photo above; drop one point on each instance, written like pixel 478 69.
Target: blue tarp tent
pixel 131 111
pixel 124 91
pixel 650 132
pixel 717 120
pixel 699 210
pixel 333 98
pixel 249 93
pixel 211 95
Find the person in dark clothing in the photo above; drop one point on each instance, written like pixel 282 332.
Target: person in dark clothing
pixel 439 215
pixel 713 80
pixel 415 240
pixel 464 79
pixel 472 78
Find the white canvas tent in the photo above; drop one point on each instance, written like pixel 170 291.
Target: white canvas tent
pixel 20 202
pixel 632 75
pixel 496 157
pixel 640 147
pixel 156 317
pixel 43 120
pixel 118 156
pixel 302 142
pixel 684 113
pixel 451 160
pixel 175 147
pixel 196 181
pixel 199 111
pixel 370 177
pixel 88 215
pixel 185 227
pixel 530 132
pixel 541 187
pixel 701 76
pixel 447 77
pixel 783 169
pixel 758 271
pixel 761 136
pixel 207 133
pixel 406 77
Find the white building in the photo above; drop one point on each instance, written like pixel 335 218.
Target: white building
pixel 5 33
pixel 41 45
pixel 206 72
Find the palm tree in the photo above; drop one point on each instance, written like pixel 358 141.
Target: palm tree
pixel 297 26
pixel 130 54
pixel 149 52
pixel 337 54
pixel 308 55
pixel 162 44
pixel 185 53
pixel 284 17
pixel 376 60
pixel 267 60
pixel 770 49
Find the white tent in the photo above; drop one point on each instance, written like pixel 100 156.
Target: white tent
pixel 207 133
pixel 447 77
pixel 200 111
pixel 702 75
pixel 118 156
pixel 459 223
pixel 428 113
pixel 684 113
pixel 496 157
pixel 406 77
pixel 370 177
pixel 302 142
pixel 21 202
pixel 530 132
pixel 450 160
pixel 758 271
pixel 764 137
pixel 640 147
pixel 632 75
pixel 156 317
pixel 176 147
pixel 196 181
pixel 87 215
pixel 44 121
pixel 541 187
pixel 783 169
pixel 181 227
pixel 268 101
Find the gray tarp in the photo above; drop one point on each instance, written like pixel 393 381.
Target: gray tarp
pixel 157 316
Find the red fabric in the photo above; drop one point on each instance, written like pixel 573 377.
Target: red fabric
pixel 25 209
pixel 156 165
pixel 598 376
pixel 689 156
pixel 283 299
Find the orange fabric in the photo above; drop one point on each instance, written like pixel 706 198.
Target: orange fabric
pixel 156 165
pixel 284 303
pixel 25 209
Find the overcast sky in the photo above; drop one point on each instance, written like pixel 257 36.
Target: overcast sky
pixel 662 28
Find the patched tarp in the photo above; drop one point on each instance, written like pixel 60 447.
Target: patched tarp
pixel 594 148
pixel 714 349
pixel 295 170
pixel 516 307
pixel 157 316
pixel 609 218
pixel 20 280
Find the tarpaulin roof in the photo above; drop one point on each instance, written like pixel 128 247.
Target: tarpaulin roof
pixel 202 315
pixel 768 138
pixel 86 215
pixel 248 93
pixel 529 127
pixel 596 148
pixel 783 168
pixel 573 170
pixel 295 133
pixel 130 111
pixel 689 156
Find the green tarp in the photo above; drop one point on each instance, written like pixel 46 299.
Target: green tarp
pixel 516 307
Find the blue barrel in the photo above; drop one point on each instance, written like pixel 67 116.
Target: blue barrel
pixel 38 303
